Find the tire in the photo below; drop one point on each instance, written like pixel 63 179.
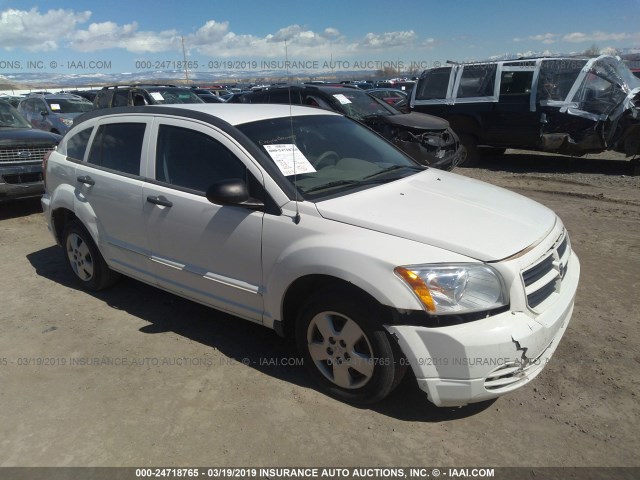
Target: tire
pixel 469 155
pixel 84 259
pixel 346 349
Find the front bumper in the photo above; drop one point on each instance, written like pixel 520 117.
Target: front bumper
pixel 21 181
pixel 484 359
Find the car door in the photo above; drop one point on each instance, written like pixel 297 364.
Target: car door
pixel 512 122
pixel 109 187
pixel 209 253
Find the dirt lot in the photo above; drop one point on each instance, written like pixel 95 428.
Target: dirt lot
pixel 201 388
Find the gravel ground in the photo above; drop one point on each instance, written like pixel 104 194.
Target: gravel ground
pixel 196 389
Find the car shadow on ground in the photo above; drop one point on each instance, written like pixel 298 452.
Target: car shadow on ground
pixel 519 161
pixel 20 208
pixel 242 341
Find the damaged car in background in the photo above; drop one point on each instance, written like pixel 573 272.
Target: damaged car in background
pixel 427 139
pixel 565 105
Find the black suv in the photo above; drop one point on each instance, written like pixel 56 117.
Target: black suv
pixel 425 138
pixel 22 150
pixel 564 105
pixel 135 95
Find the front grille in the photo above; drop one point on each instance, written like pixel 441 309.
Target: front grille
pixel 544 278
pixel 22 178
pixel 24 153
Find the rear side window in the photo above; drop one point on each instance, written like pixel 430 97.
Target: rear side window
pixel 190 159
pixel 121 98
pixel 477 81
pixel 117 146
pixel 77 145
pixel 103 99
pixel 434 84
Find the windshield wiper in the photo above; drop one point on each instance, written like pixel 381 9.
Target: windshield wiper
pixel 393 168
pixel 336 183
pixel 368 180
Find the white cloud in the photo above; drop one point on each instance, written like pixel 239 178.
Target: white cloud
pixel 387 40
pixel 37 31
pixel 578 37
pixel 581 37
pixel 58 29
pixel 107 35
pixel 215 39
pixel 547 38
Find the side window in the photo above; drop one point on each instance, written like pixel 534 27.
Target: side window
pixel 190 159
pixel 433 84
pixel 516 83
pixel 282 96
pixel 557 77
pixel 118 146
pixel 121 98
pixel 477 81
pixel 103 100
pixel 77 145
pixel 40 106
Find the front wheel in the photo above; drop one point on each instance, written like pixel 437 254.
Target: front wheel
pixel 84 259
pixel 469 155
pixel 346 349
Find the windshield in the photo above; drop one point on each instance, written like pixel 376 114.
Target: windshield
pixel 332 154
pixel 359 105
pixel 10 118
pixel 69 105
pixel 173 95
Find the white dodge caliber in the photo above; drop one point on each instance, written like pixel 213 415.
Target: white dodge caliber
pixel 309 223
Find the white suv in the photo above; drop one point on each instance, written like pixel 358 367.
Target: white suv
pixel 309 223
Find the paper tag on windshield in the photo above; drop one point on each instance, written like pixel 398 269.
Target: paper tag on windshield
pixel 342 99
pixel 55 106
pixel 156 96
pixel 284 154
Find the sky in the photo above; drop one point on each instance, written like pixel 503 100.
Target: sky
pixel 119 36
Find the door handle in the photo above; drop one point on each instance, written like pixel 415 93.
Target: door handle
pixel 87 180
pixel 159 201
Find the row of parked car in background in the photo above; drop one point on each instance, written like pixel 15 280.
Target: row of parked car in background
pixel 451 115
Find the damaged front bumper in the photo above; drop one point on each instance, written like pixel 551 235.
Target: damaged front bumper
pixel 484 359
pixel 439 149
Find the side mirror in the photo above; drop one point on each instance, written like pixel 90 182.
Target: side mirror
pixel 233 191
pixel 44 113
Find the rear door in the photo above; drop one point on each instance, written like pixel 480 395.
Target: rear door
pixel 109 189
pixel 207 252
pixel 513 122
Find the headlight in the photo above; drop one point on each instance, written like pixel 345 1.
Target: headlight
pixel 67 121
pixel 455 289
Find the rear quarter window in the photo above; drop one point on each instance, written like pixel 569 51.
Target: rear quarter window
pixel 77 144
pixel 433 84
pixel 118 146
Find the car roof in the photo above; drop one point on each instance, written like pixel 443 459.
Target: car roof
pixel 233 114
pixel 237 114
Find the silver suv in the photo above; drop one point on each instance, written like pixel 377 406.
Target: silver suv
pixel 309 223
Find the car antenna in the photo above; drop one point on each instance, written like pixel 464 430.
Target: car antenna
pixel 296 219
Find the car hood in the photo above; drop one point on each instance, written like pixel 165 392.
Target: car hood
pixel 448 211
pixel 23 136
pixel 418 121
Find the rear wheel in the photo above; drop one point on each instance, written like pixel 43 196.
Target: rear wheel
pixel 346 349
pixel 84 259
